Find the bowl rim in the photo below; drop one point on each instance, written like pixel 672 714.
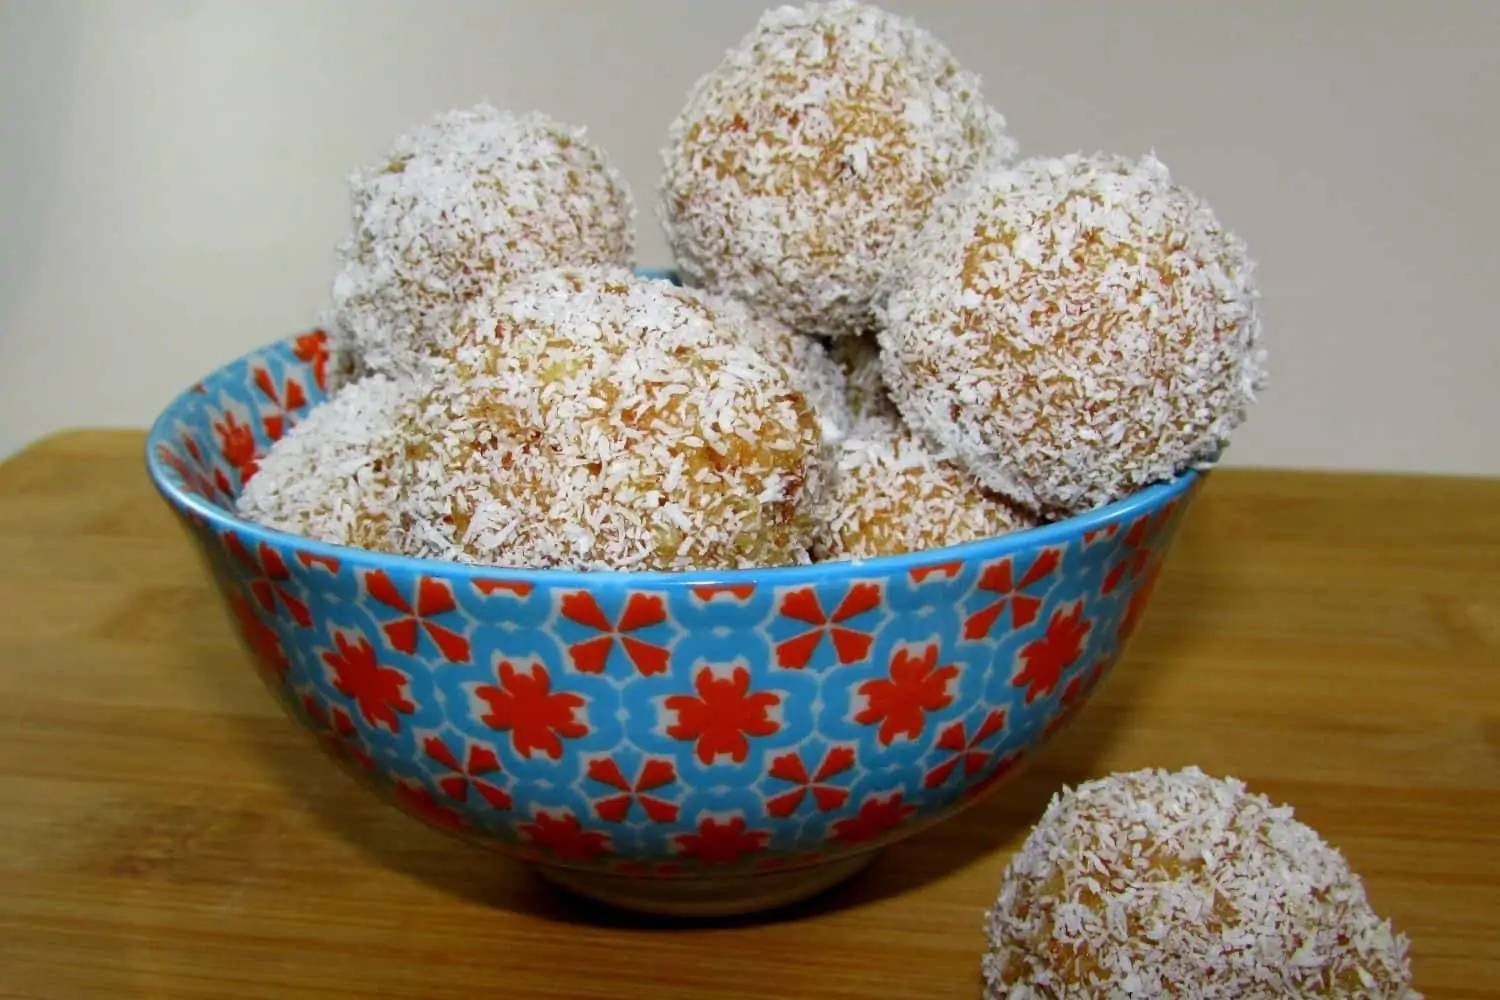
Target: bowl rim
pixel 162 434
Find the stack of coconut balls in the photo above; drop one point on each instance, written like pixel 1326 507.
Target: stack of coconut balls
pixel 893 335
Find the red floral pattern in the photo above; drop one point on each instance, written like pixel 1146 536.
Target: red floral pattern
pixel 877 816
pixel 312 350
pixel 998 579
pixel 220 484
pixel 850 644
pixel 193 450
pixel 237 446
pixel 268 581
pixel 739 592
pixel 790 768
pixel 516 588
pixel 722 842
pixel 476 772
pixel 560 834
pixel 964 750
pixel 722 715
pixel 936 571
pixel 537 718
pixel 654 774
pixel 1044 660
pixel 327 564
pixel 433 599
pixel 261 638
pixel 899 702
pixel 289 395
pixel 192 474
pixel 641 611
pixel 1101 534
pixel 379 693
pixel 1141 540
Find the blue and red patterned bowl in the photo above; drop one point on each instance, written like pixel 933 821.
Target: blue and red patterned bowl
pixel 686 743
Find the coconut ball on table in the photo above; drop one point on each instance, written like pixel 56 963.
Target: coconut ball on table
pixel 1181 885
pixel 338 476
pixel 803 164
pixel 1075 328
pixel 890 495
pixel 465 202
pixel 588 418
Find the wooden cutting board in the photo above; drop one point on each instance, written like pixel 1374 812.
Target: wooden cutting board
pixel 1334 640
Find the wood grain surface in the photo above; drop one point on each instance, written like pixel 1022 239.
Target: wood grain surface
pixel 1334 640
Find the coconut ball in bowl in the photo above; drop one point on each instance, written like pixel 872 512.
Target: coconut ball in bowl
pixel 340 475
pixel 462 203
pixel 801 167
pixel 809 362
pixel 587 418
pixel 1073 328
pixel 889 495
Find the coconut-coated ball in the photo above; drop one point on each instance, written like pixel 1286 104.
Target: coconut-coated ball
pixel 461 204
pixel 890 495
pixel 1156 884
pixel 594 419
pixel 1075 328
pixel 801 166
pixel 338 475
pixel 807 360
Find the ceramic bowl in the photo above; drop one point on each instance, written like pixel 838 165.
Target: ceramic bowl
pixel 686 743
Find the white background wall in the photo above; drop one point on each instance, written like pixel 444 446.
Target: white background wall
pixel 171 174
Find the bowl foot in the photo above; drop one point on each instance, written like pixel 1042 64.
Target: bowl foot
pixel 708 897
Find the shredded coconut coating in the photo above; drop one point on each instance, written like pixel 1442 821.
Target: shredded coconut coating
pixel 337 476
pixel 588 418
pixel 1074 329
pixel 469 200
pixel 890 495
pixel 1179 885
pixel 807 360
pixel 344 365
pixel 800 168
pixel 864 385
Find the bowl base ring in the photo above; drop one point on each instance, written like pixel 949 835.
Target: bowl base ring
pixel 707 897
